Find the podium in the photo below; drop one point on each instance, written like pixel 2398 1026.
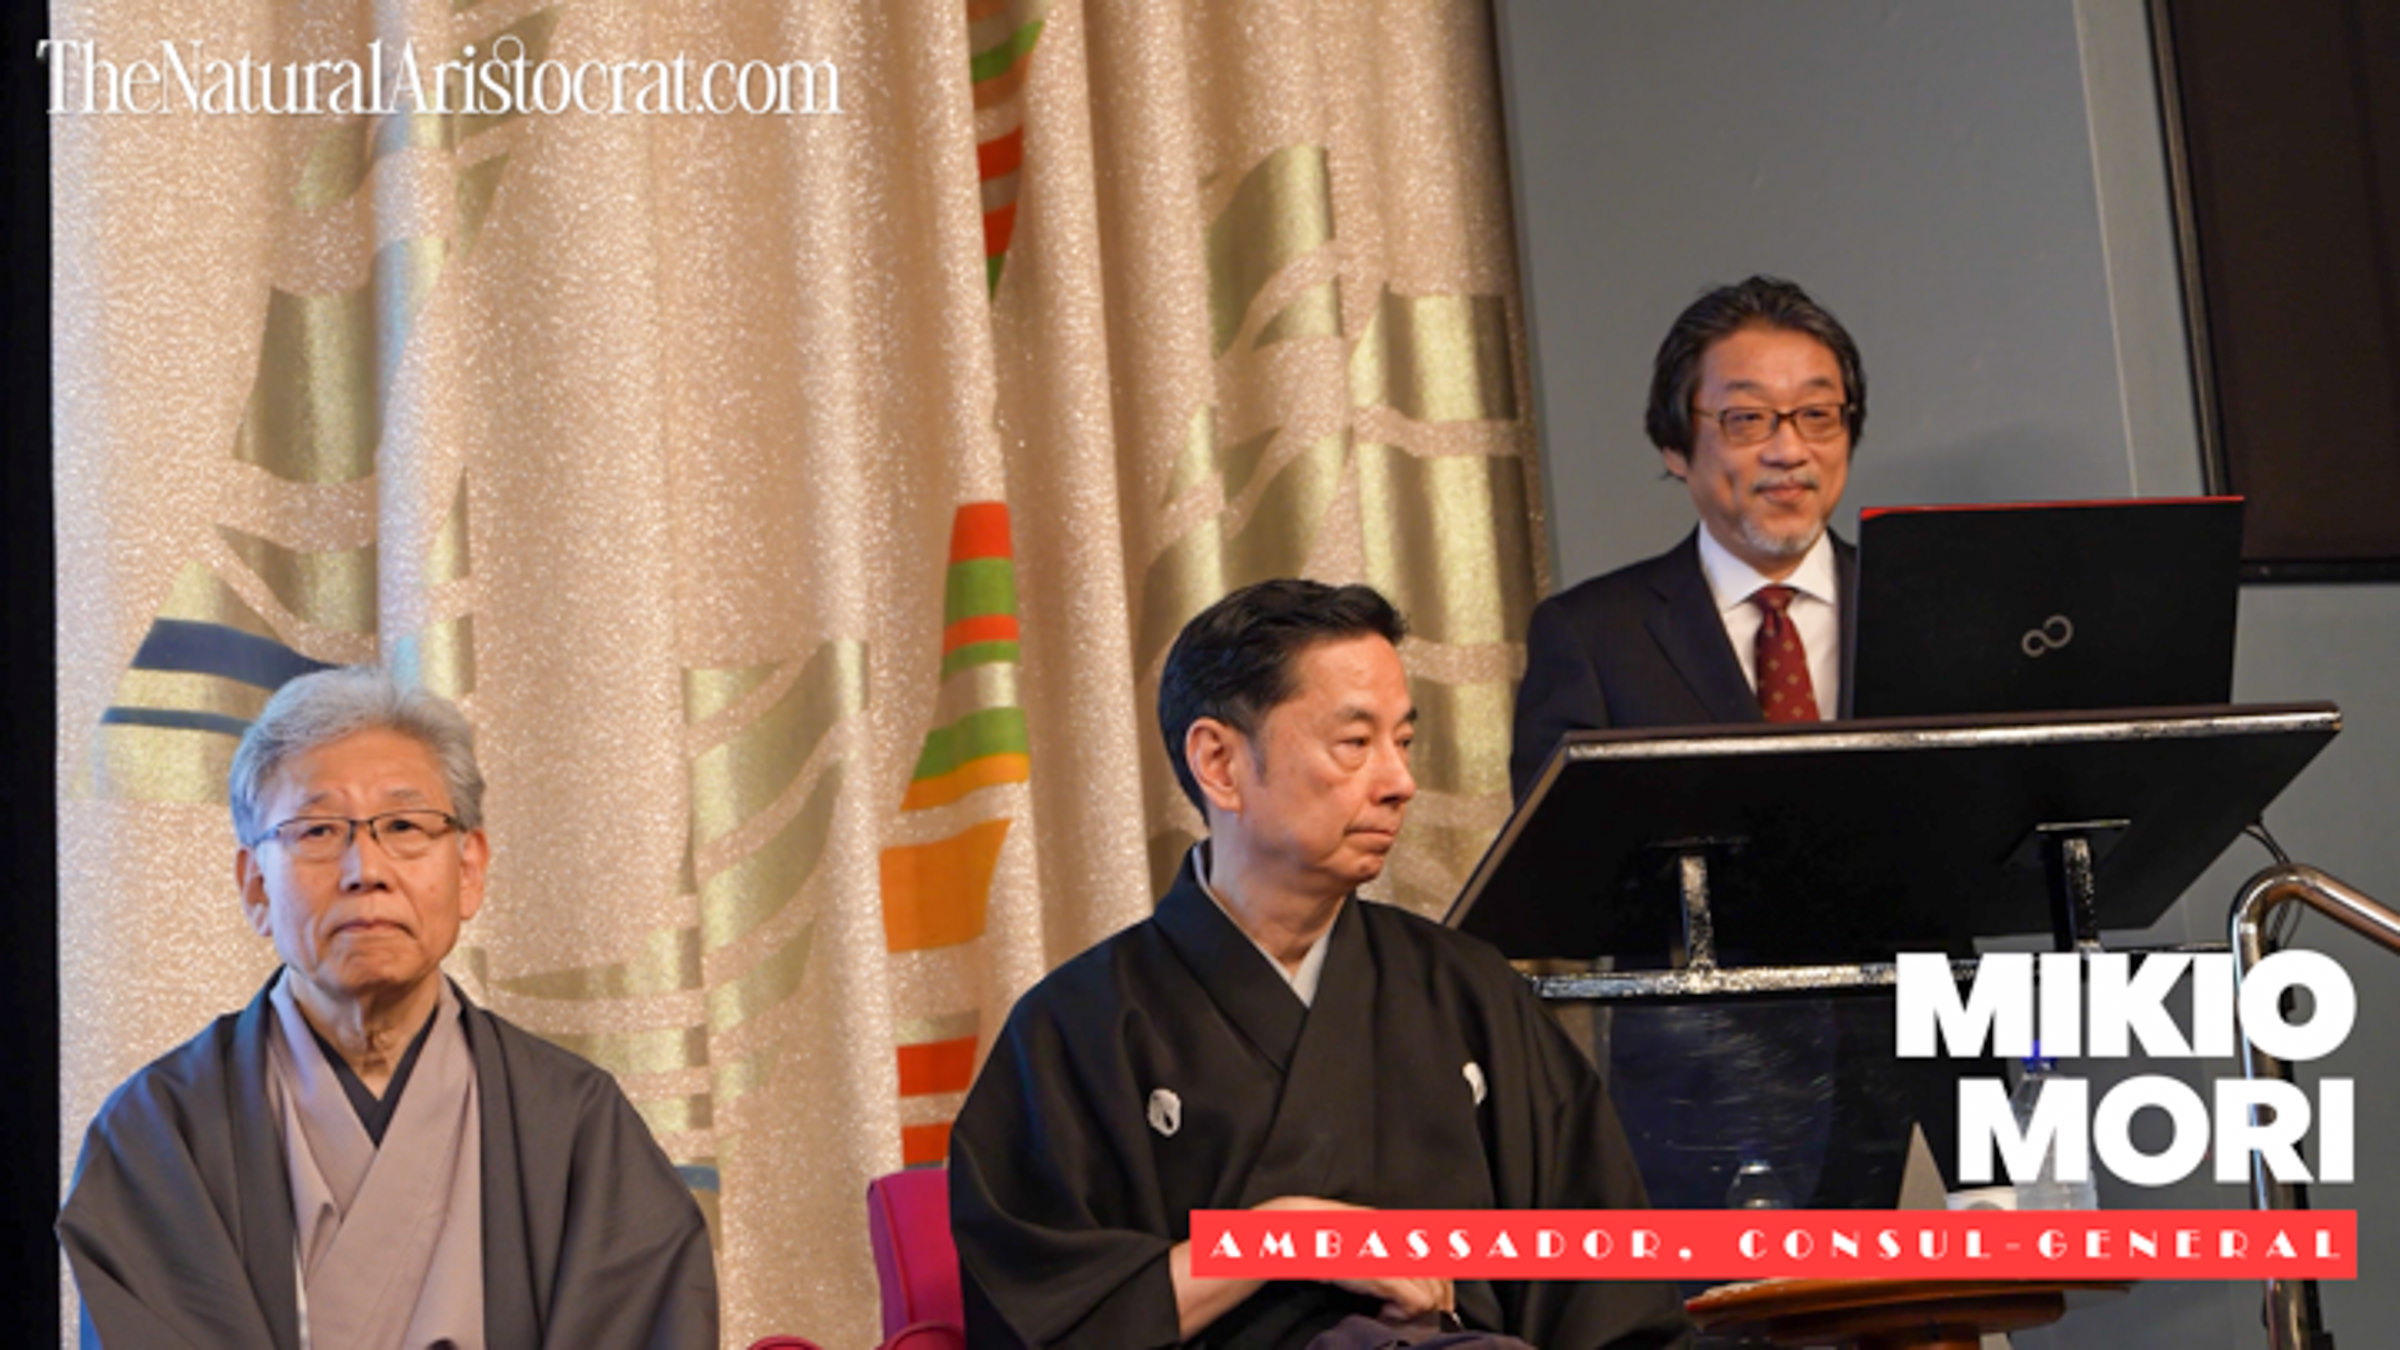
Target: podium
pixel 1755 859
pixel 1733 862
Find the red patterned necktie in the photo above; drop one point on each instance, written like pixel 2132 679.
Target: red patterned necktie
pixel 1785 693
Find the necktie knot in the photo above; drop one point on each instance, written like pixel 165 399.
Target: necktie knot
pixel 1775 600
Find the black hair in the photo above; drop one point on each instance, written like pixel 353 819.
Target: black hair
pixel 1235 661
pixel 1760 302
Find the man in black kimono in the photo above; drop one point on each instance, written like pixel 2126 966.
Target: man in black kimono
pixel 1267 1039
pixel 361 1159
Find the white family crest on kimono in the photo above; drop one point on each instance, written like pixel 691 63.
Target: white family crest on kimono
pixel 1166 1112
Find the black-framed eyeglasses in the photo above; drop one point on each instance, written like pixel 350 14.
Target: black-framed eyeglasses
pixel 401 834
pixel 1752 426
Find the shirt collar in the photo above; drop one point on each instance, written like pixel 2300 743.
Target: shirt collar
pixel 1731 582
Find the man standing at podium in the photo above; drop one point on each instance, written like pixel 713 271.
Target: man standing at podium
pixel 1757 399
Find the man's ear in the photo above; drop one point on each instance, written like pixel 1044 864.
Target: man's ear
pixel 474 856
pixel 1679 465
pixel 1211 749
pixel 249 875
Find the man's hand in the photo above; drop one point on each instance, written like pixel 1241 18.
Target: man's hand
pixel 1403 1297
pixel 1199 1301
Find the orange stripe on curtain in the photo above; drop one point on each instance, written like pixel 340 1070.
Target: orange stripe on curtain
pixel 981 628
pixel 989 771
pixel 1001 154
pixel 979 530
pixel 922 1144
pixel 997 226
pixel 933 894
pixel 937 1066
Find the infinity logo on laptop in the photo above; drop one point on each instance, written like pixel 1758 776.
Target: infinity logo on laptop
pixel 2055 632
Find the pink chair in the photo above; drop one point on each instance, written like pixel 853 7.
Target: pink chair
pixel 916 1267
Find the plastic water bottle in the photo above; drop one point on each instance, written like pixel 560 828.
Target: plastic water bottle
pixel 1755 1186
pixel 2044 1189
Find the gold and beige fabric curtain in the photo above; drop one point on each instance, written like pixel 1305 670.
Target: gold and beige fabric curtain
pixel 800 503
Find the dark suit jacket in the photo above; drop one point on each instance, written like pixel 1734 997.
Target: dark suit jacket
pixel 1702 1088
pixel 1642 647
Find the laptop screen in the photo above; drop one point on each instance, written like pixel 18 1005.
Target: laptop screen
pixel 2046 607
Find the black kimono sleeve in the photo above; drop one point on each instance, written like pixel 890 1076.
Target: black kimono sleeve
pixel 1062 1234
pixel 1556 1144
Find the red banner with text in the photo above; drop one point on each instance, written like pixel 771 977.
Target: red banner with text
pixel 2162 1244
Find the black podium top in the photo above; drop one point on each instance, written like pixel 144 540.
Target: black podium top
pixel 1850 841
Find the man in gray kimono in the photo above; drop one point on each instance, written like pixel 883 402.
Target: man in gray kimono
pixel 362 1159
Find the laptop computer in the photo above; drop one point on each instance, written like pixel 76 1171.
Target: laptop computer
pixel 2046 607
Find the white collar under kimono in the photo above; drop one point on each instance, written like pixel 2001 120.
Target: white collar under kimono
pixel 1302 979
pixel 388 1240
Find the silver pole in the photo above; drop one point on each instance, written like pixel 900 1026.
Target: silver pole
pixel 2289 1323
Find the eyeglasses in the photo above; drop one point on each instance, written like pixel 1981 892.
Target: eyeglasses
pixel 1753 426
pixel 403 835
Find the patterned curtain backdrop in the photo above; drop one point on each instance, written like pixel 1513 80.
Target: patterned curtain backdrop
pixel 799 504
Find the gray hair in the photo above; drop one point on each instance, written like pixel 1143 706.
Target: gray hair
pixel 322 707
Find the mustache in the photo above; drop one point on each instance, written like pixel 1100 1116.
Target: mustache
pixel 1799 478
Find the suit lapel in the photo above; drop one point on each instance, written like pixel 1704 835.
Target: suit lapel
pixel 1687 629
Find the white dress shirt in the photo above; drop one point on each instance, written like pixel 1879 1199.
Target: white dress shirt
pixel 1816 612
